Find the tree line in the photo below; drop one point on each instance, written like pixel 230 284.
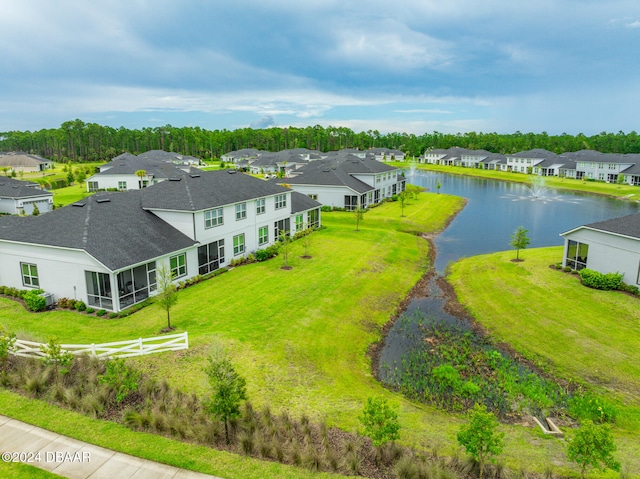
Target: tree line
pixel 78 141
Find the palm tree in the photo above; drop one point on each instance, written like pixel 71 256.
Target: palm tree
pixel 141 174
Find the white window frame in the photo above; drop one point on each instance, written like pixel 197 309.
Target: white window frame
pixel 213 218
pixel 281 201
pixel 238 244
pixel 261 206
pixel 241 211
pixel 30 278
pixel 179 270
pixel 122 185
pixel 263 235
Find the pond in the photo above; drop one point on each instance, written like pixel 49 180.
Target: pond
pixel 493 212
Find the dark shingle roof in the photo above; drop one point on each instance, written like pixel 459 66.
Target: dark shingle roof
pixel 206 189
pixel 327 173
pixel 626 225
pixel 300 203
pixel 111 227
pixel 10 188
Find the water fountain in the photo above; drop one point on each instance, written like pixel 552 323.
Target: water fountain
pixel 537 187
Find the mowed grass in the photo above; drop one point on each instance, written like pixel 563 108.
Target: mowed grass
pixel 578 333
pixel 299 337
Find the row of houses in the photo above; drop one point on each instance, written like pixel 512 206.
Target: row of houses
pixel 106 249
pixel 583 164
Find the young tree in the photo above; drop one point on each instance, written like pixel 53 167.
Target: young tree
pixel 402 198
pixel 7 345
pixel 519 240
pixel 55 356
pixel 621 180
pixel 593 445
pixel 480 437
pixel 306 240
pixel 285 247
pixel 228 389
pixel 36 210
pixel 167 291
pixel 358 214
pixel 438 186
pixel 380 421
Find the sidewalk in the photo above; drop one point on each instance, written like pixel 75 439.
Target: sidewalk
pixel 74 459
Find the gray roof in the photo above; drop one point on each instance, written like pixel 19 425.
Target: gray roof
pixel 128 164
pixel 207 189
pixel 300 203
pixel 19 158
pixel 329 173
pixel 168 156
pixel 538 153
pixel 111 227
pixel 626 225
pixel 10 188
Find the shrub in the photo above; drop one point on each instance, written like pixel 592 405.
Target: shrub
pixel 63 303
pixel 113 315
pixel 593 408
pixel 595 279
pixel 101 312
pixel 80 306
pixel 34 301
pixel 567 269
pixel 629 288
pixel 1 289
pixel 325 208
pixel 71 304
pixel 90 311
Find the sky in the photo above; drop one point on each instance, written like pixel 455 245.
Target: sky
pixel 414 66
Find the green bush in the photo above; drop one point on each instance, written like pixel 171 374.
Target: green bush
pixel 596 409
pixel 80 306
pixel 325 208
pixel 629 288
pixel 113 315
pixel 90 311
pixel 101 312
pixel 63 302
pixel 595 279
pixel 71 304
pixel 34 301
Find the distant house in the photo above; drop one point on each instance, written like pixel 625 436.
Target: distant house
pixel 106 249
pixel 19 161
pixel 463 157
pixel 610 246
pixel 121 172
pixel 347 181
pixel 20 197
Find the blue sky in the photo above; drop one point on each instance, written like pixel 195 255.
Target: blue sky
pixel 408 66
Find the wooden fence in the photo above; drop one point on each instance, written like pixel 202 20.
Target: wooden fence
pixel 120 349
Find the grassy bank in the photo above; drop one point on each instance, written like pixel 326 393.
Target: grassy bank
pixel 583 335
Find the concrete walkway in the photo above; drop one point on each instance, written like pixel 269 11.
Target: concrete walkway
pixel 78 460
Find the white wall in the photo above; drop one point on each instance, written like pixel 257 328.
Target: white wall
pixel 59 270
pixel 609 253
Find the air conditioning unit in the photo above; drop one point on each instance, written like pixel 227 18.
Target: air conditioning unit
pixel 48 297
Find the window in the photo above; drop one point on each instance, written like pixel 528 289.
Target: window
pixel 210 257
pixel 98 290
pixel 178 265
pixel 263 235
pixel 93 185
pixel 213 218
pixel 350 202
pixel 281 201
pixel 281 227
pixel 577 255
pixel 260 206
pixel 241 211
pixel 313 197
pixel 135 284
pixel 122 185
pixel 299 222
pixel 314 218
pixel 238 244
pixel 30 275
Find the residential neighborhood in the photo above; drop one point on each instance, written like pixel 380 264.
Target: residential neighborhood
pixel 105 249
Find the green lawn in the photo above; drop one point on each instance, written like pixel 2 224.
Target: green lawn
pixel 578 333
pixel 300 337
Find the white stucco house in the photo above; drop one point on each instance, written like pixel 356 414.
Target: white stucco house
pixel 347 181
pixel 610 246
pixel 106 249
pixel 120 172
pixel 20 197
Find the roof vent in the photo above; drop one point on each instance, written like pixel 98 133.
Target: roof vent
pixel 326 171
pixel 103 200
pixel 175 179
pixel 195 176
pixel 78 204
pixel 232 172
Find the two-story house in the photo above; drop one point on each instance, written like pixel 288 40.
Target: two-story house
pixel 106 249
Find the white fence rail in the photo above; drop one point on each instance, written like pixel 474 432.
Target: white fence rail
pixel 120 349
